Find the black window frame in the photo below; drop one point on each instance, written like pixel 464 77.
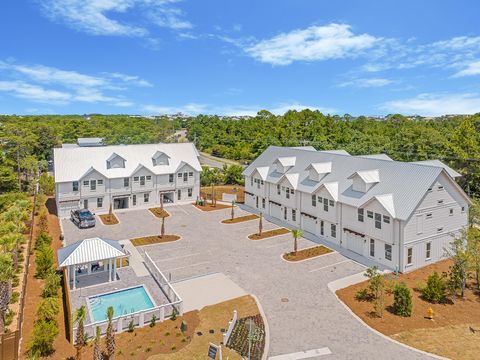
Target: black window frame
pixel 75 186
pixel 372 247
pixel 126 182
pixel 314 200
pixel 146 197
pixel 388 252
pixel 361 215
pixel 428 250
pixel 333 230
pixel 378 221
pixel 171 178
pixel 100 202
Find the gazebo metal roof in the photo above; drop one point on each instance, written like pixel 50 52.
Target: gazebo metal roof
pixel 89 250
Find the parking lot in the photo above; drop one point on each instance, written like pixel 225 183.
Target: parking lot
pixel 301 311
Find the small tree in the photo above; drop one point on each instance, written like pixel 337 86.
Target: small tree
pixel 376 285
pixel 458 272
pixel 162 230
pixel 80 316
pixel 48 309
pixel 402 300
pixel 110 213
pixel 43 336
pixel 435 289
pixel 44 261
pixel 473 252
pixel 52 285
pixel 97 351
pixel 297 233
pixel 110 337
pixel 233 209
pixel 161 201
pixel 260 225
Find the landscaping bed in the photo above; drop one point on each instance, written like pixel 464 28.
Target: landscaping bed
pixel 307 253
pixel 417 330
pixel 269 233
pixel 108 220
pixel 156 239
pixel 224 189
pixel 159 212
pixel 240 219
pixel 209 207
pixel 239 338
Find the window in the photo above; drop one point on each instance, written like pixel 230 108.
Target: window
pixel 179 194
pixel 126 182
pixel 388 252
pixel 451 212
pixel 99 202
pixel 149 177
pixel 332 203
pixel 320 200
pixel 322 228
pixel 440 229
pixel 263 203
pixel 360 214
pixel 440 187
pixel 428 250
pixel 409 256
pixel 294 215
pixel 278 189
pixel 93 185
pixel 378 221
pixel 135 179
pixel 285 213
pixel 134 200
pixel 179 175
pixel 142 180
pixel 256 202
pixel 370 214
pixel 100 182
pixel 372 247
pixel 287 193
pixel 75 186
pixel 185 177
pixel 440 202
pixel 86 183
pixel 428 216
pixel 261 182
pixel 251 181
pixel 429 189
pixel 190 174
pixel 463 209
pixel 314 200
pixel 333 230
pixel 190 192
pixel 325 205
pixel 386 219
pixel 170 178
pixel 292 191
pixel 146 197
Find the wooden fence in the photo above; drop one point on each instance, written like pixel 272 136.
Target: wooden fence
pixel 67 306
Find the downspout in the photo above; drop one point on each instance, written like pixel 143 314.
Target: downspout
pixel 340 230
pixel 400 247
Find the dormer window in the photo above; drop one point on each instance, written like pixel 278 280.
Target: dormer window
pixel 285 163
pixel 160 158
pixel 364 180
pixel 115 161
pixel 319 170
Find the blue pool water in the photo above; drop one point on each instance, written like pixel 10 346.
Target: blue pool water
pixel 124 302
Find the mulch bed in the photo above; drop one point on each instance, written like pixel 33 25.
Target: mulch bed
pixel 240 219
pixel 108 220
pixel 307 253
pixel 159 212
pixel 210 207
pixel 239 341
pixel 268 234
pixel 238 190
pixel 157 239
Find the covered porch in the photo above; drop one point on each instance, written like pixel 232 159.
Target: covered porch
pixel 92 261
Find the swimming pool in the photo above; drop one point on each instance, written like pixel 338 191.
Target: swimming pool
pixel 124 302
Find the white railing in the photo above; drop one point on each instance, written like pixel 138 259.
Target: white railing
pixel 231 325
pixel 143 317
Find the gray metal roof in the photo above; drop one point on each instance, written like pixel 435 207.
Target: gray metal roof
pixel 403 184
pixel 94 141
pixel 89 250
pixel 438 163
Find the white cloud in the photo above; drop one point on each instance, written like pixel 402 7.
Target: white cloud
pixel 471 69
pixel 435 104
pixel 34 92
pixel 366 82
pixel 94 16
pixel 315 43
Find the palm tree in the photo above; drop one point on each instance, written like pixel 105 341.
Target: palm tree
pixel 162 230
pixel 110 338
pixel 233 209
pixel 297 233
pixel 97 351
pixel 260 225
pixel 161 201
pixel 110 213
pixel 213 193
pixel 80 316
pixel 6 274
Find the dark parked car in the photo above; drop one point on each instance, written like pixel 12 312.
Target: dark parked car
pixel 82 218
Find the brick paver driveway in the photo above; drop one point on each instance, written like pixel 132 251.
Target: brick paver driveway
pixel 302 313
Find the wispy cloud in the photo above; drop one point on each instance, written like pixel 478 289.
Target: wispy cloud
pixel 95 16
pixel 435 104
pixel 470 69
pixel 40 83
pixel 366 82
pixel 315 43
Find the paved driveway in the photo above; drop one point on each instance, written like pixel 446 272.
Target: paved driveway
pixel 302 313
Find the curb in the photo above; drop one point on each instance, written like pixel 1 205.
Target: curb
pixel 267 328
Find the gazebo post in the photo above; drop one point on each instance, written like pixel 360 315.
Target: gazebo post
pixel 109 270
pixel 115 269
pixel 89 270
pixel 74 285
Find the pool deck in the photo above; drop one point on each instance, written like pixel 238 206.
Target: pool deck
pixel 126 279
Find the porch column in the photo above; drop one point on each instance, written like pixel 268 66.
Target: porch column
pixel 89 270
pixel 73 272
pixel 109 270
pixel 115 269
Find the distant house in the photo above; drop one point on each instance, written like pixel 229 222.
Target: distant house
pixel 126 176
pixel 399 214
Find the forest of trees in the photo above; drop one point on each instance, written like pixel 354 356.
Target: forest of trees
pixel 26 141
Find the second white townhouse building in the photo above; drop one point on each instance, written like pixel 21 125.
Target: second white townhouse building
pixel 399 214
pixel 126 176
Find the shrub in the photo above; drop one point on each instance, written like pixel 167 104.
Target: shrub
pixel 48 309
pixel 44 333
pixel 174 314
pixel 435 290
pixel 131 326
pixel 402 300
pixel 47 184
pixel 152 321
pixel 52 285
pixel 43 239
pixel 15 297
pixel 362 295
pixel 43 221
pixel 45 261
pixel 9 317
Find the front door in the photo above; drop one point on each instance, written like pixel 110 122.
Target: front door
pixel 120 203
pixel 85 204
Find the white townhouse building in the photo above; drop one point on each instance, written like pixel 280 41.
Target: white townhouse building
pixel 399 214
pixel 126 176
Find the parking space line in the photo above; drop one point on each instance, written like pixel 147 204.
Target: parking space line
pixel 303 354
pixel 186 266
pixel 183 256
pixel 334 264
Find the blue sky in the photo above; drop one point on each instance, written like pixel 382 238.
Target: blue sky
pixel 236 57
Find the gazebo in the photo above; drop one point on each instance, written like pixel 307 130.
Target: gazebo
pixel 90 256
